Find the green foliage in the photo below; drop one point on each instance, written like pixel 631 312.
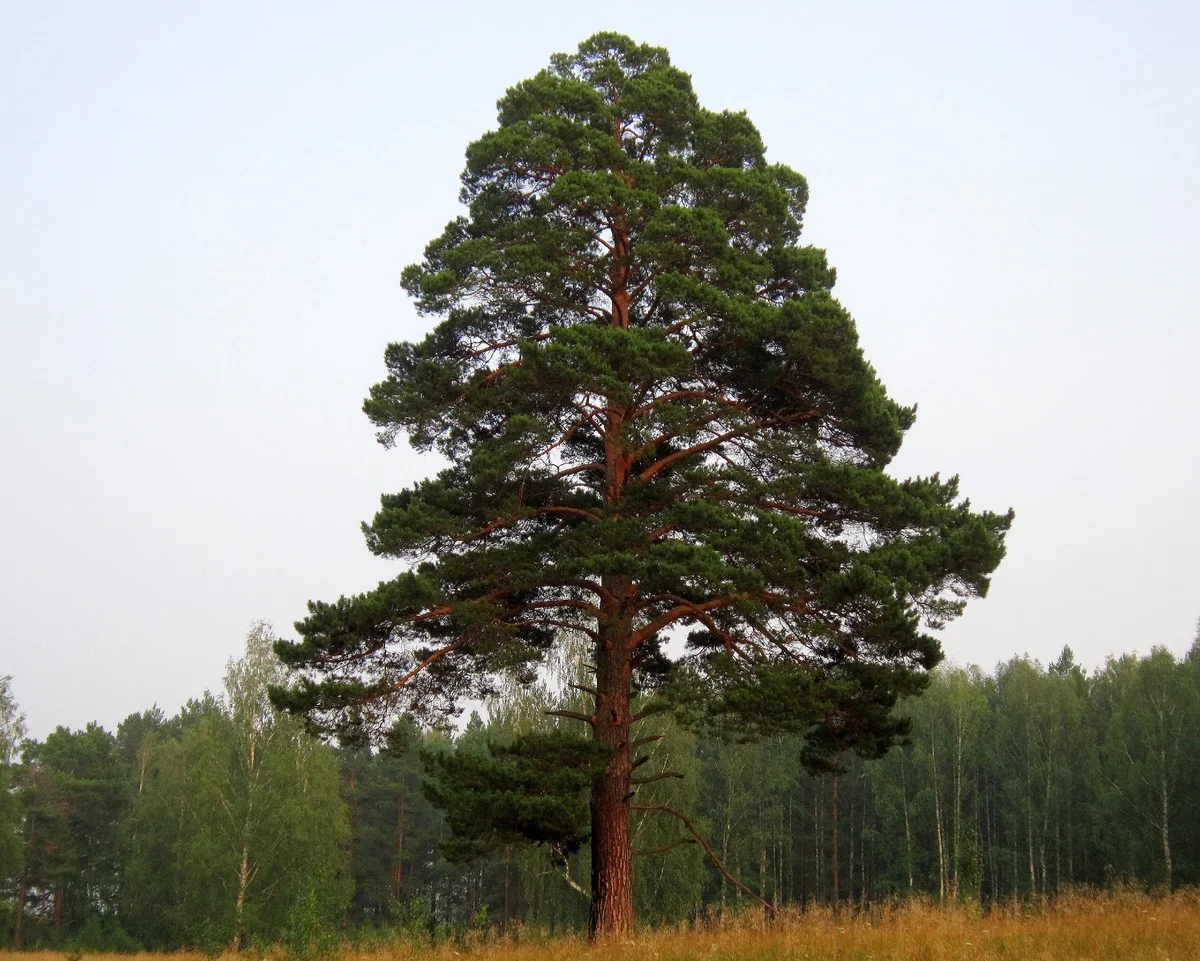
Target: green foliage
pixel 102 935
pixel 12 731
pixel 238 830
pixel 1014 784
pixel 310 929
pixel 1150 707
pixel 533 789
pixel 12 723
pixel 73 793
pixel 639 373
pixel 668 885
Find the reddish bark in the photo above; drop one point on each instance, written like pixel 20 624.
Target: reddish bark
pixel 612 850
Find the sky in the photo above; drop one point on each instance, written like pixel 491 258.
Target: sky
pixel 205 209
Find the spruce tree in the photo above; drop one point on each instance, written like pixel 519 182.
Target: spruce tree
pixel 657 419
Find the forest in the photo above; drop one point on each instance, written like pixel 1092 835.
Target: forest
pixel 659 643
pixel 228 823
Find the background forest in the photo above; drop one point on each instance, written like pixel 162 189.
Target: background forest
pixel 227 823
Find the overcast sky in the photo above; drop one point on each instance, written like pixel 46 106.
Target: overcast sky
pixel 205 208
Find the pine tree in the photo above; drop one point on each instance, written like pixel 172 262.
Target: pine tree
pixel 72 789
pixel 656 417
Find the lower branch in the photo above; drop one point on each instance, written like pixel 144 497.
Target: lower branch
pixel 655 777
pixel 687 823
pixel 649 712
pixel 662 848
pixel 574 715
pixel 561 860
pixel 566 873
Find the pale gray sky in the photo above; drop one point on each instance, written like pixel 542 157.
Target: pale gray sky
pixel 204 210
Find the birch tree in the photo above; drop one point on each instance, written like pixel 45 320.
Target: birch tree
pixel 1144 747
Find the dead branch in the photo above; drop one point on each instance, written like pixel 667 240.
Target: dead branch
pixel 655 777
pixel 662 848
pixel 687 823
pixel 574 715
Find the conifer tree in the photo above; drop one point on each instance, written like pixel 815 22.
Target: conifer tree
pixel 657 419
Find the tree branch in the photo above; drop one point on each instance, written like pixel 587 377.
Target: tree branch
pixel 660 849
pixel 687 823
pixel 565 625
pixel 722 438
pixel 649 712
pixel 435 656
pixel 574 715
pixel 656 777
pixel 684 609
pixel 559 602
pixel 561 859
pixel 682 394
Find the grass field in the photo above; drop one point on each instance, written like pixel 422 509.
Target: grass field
pixel 1120 927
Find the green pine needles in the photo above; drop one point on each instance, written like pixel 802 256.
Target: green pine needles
pixel 658 422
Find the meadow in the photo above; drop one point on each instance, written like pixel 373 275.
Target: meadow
pixel 1121 926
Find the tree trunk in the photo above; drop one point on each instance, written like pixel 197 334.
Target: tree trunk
pixel 866 873
pixel 507 909
pixel 397 879
pixel 724 859
pixel 937 820
pixel 791 850
pixel 956 826
pixel 850 867
pixel 1033 889
pixel 1165 824
pixel 1057 847
pixel 993 833
pixel 836 885
pixel 817 859
pixel 1047 798
pixel 244 868
pixel 19 915
pixel 908 841
pixel 1070 843
pixel 352 802
pixel 144 753
pixel 1032 871
pixel 612 852
pixel 243 883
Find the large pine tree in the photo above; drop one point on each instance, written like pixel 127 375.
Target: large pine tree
pixel 657 418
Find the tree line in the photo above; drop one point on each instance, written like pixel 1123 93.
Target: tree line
pixel 228 824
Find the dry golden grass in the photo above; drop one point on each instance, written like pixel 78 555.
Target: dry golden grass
pixel 1114 927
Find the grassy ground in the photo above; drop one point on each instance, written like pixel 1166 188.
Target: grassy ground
pixel 1120 927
